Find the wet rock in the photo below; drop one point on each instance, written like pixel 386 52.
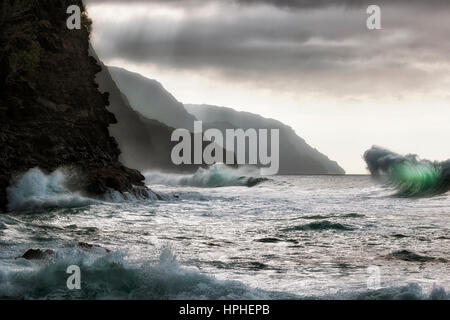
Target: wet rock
pixel 38 254
pixel 86 245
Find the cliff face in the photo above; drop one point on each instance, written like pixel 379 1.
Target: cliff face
pixel 150 99
pixel 51 111
pixel 145 142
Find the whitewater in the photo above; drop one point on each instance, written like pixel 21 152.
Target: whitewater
pixel 223 234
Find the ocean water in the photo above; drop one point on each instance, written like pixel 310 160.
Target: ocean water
pixel 215 237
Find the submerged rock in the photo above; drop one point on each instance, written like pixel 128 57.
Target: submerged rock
pixel 320 226
pixel 86 245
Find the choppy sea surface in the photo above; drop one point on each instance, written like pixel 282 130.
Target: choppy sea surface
pixel 289 237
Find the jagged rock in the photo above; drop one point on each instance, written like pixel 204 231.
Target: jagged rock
pixel 37 254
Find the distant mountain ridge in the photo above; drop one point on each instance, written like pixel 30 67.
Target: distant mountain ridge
pixel 145 143
pixel 296 156
pixel 150 99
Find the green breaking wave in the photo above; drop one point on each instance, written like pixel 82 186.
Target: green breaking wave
pixel 410 176
pixel 413 179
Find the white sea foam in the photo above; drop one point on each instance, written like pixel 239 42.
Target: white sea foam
pixel 116 196
pixel 411 291
pixel 219 231
pixel 112 276
pixel 37 190
pixel 217 175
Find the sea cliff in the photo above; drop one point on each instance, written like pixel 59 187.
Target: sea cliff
pixel 52 113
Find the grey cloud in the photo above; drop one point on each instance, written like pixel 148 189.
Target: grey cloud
pixel 295 3
pixel 329 49
pixel 345 3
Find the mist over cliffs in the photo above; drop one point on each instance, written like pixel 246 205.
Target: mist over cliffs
pixel 145 142
pixel 149 98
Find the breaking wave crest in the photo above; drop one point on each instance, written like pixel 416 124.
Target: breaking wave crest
pixel 112 276
pixel 412 177
pixel 217 175
pixel 37 190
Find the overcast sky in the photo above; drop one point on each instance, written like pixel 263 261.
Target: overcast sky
pixel 312 64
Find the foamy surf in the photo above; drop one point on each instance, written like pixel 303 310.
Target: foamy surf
pixel 116 276
pixel 35 190
pixel 235 234
pixel 217 175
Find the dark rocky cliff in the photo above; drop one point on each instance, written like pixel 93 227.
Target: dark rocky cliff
pixel 51 111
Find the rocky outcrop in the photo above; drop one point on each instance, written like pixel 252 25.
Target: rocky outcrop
pixel 51 111
pixel 38 254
